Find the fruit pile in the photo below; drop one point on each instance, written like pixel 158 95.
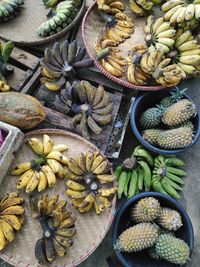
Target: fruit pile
pixel 171 52
pixel 143 172
pixel 58 227
pixel 61 16
pixel 11 217
pixel 9 9
pixel 168 125
pixel 154 229
pixel 90 182
pixel 90 107
pixel 5 69
pixel 41 172
pixel 61 63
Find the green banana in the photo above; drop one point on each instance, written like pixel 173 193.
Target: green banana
pixel 147 175
pixel 133 184
pixel 175 178
pixel 158 187
pixel 176 171
pixel 174 162
pixel 169 189
pixel 118 171
pixel 174 185
pixel 144 154
pixel 126 187
pixel 121 183
pixel 140 178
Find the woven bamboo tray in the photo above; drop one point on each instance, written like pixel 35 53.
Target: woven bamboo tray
pixel 91 228
pixel 22 29
pixel 92 26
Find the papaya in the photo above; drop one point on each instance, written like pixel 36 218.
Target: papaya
pixel 20 110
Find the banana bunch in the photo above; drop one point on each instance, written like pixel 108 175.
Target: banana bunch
pixel 158 66
pixel 160 34
pixel 110 6
pixel 65 13
pixel 90 182
pixel 134 73
pixel 41 172
pixel 143 7
pixel 62 62
pixel 182 12
pixel 186 54
pixel 167 175
pixel 5 69
pixel 11 218
pixel 50 3
pixel 90 107
pixel 58 227
pixel 134 174
pixel 9 9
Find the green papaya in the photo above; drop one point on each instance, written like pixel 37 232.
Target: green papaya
pixel 21 110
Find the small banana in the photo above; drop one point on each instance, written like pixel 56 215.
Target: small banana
pixel 75 186
pixel 42 181
pixel 21 168
pixel 51 178
pixel 36 145
pixel 54 165
pixel 60 148
pixel 47 144
pixel 33 182
pixel 24 179
pixel 12 220
pixel 58 156
pixel 105 192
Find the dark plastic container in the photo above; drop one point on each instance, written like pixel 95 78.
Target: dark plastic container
pixel 148 100
pixel 122 222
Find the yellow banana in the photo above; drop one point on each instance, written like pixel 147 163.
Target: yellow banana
pixel 60 250
pixel 24 179
pixel 76 194
pixel 33 182
pixel 170 4
pixel 167 34
pixel 75 186
pixel 106 192
pixel 149 24
pixel 76 202
pixel 102 168
pixel 60 148
pixel 157 24
pixel 10 201
pixel 165 62
pixel 52 204
pixel 2 239
pixel 61 172
pixel 163 27
pixel 162 47
pixel 36 145
pixel 183 38
pixel 110 69
pixel 193 60
pixel 181 15
pixel 21 168
pixel 51 178
pixel 80 161
pixel 89 157
pixel 7 230
pixel 48 144
pixel 166 41
pixel 106 177
pixel 197 12
pixel 12 220
pixel 42 181
pixel 173 19
pixel 13 210
pixel 136 8
pixel 58 156
pixel 170 13
pixel 97 161
pixel 105 201
pixel 53 164
pixel 71 175
pixel 87 207
pixel 74 168
pixel 190 11
pixel 144 63
pixel 188 46
pixel 191 52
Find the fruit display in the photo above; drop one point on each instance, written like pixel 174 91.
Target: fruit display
pixel 61 63
pixel 90 182
pixel 58 226
pixel 134 174
pixel 167 125
pixel 11 217
pixel 42 172
pixel 143 172
pixel 21 110
pixel 167 175
pixel 5 69
pixel 64 14
pixel 155 229
pixel 90 107
pixel 9 9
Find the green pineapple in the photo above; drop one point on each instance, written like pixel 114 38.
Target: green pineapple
pixel 146 210
pixel 170 219
pixel 151 118
pixel 188 124
pixel 175 96
pixel 179 112
pixel 137 237
pixel 172 249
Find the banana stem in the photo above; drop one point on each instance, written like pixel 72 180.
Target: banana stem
pixel 162 172
pixel 129 163
pixel 45 227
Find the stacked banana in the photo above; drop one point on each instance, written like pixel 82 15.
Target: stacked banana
pixel 5 52
pixel 65 13
pixel 182 12
pixel 10 217
pixel 58 227
pixel 90 107
pixel 41 172
pixel 90 182
pixel 142 7
pixel 61 62
pixel 135 74
pixel 9 9
pixel 157 65
pixel 160 34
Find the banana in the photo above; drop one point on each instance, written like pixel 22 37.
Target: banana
pixel 40 251
pixel 190 45
pixel 139 151
pixel 75 186
pixel 49 250
pixel 97 161
pixel 173 184
pixel 102 168
pixel 170 13
pixel 64 241
pixel 89 157
pixel 60 148
pixel 60 250
pixel 157 24
pixel 7 230
pixel 98 204
pixel 170 4
pixel 105 192
pixel 106 177
pixel 191 52
pixel 10 201
pixel 13 210
pixel 52 204
pixel 33 182
pixel 176 171
pixel 80 162
pixel 51 178
pixel 36 145
pixel 2 239
pixel 42 181
pixel 56 155
pixel 169 189
pixel 86 208
pixel 181 15
pixel 76 194
pixel 147 174
pixel 71 175
pixel 173 19
pixel 158 187
pixel 12 220
pixel 183 38
pixel 24 179
pixel 47 144
pixel 174 178
pixel 197 11
pixel 74 168
pixel 110 69
pixel 173 161
pixel 133 184
pixel 166 41
pixel 136 8
pixel 193 60
pixel 21 168
pixel 190 11
pixel 54 165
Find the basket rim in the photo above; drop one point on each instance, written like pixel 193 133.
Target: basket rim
pixel 108 222
pixel 100 68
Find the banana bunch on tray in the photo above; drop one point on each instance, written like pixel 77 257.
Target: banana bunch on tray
pixel 5 69
pixel 58 226
pixel 9 9
pixel 41 172
pixel 110 6
pixel 143 7
pixel 11 217
pixel 65 12
pixel 90 182
pixel 90 107
pixel 62 62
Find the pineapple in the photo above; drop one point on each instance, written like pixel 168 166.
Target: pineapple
pixel 170 219
pixel 151 135
pixel 179 112
pixel 151 118
pixel 188 124
pixel 174 97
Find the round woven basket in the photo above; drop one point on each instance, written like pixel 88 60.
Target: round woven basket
pixel 22 29
pixel 92 27
pixel 91 228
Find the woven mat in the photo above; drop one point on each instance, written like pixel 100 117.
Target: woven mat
pixel 23 28
pixel 91 228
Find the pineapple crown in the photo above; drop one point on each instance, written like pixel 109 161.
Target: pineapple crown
pixel 177 94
